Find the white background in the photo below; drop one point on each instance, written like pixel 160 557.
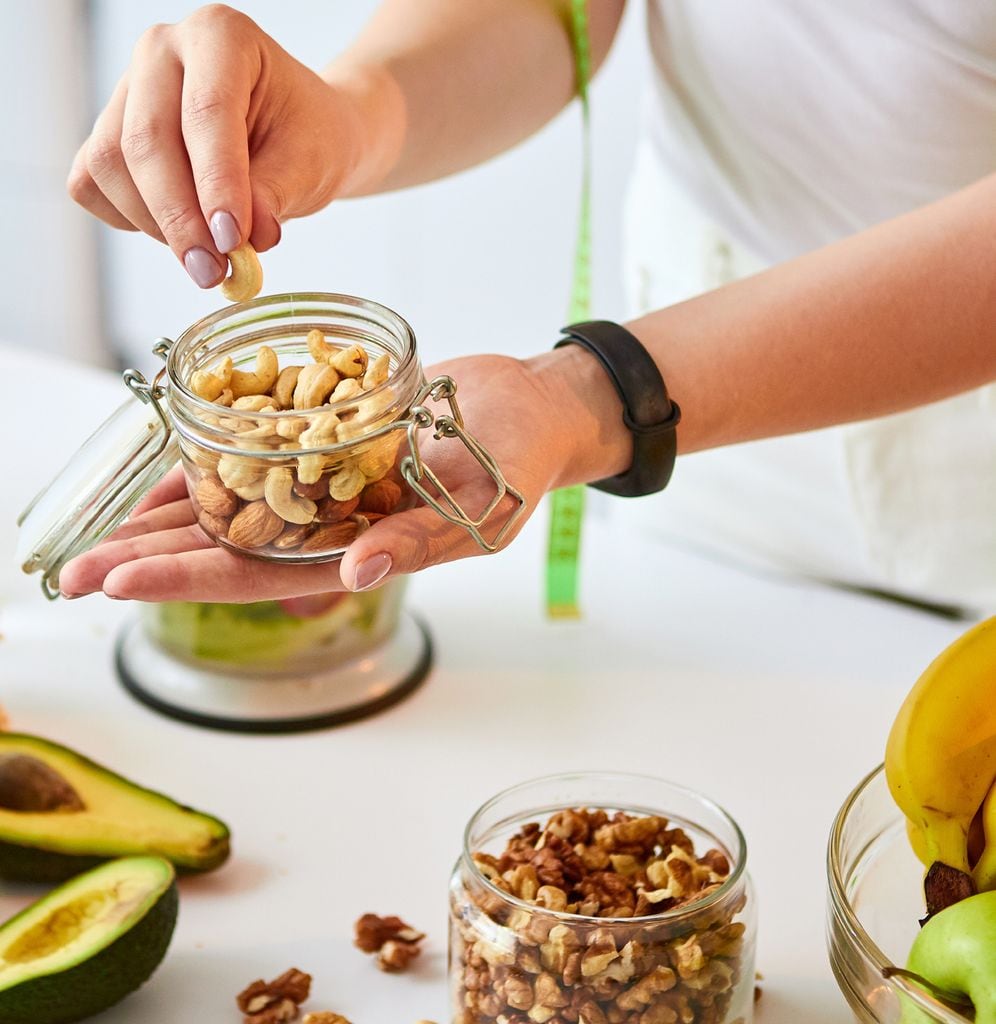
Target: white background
pixel 478 262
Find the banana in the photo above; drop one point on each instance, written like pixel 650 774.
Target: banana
pixel 940 760
pixel 984 872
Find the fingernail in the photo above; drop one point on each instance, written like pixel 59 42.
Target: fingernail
pixel 371 571
pixel 224 231
pixel 69 597
pixel 202 267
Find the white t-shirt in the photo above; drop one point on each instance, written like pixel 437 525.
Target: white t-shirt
pixel 774 127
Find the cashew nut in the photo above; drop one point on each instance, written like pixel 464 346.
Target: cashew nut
pixel 280 496
pixel 255 403
pixel 237 471
pixel 209 384
pixel 253 491
pixel 321 430
pixel 314 384
pixel 283 390
pixel 291 427
pixel 347 483
pixel 246 277
pixel 376 372
pixel 321 351
pixel 225 398
pixel 350 361
pixel 258 383
pixel 379 457
pixel 310 468
pixel 346 389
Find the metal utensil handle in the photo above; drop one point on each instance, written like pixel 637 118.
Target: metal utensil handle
pixel 414 469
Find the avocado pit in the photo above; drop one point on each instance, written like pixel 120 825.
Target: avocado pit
pixel 29 785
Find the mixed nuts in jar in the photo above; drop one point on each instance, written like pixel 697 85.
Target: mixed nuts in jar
pixel 289 434
pixel 573 905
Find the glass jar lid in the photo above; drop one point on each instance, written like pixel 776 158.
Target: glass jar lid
pixel 100 485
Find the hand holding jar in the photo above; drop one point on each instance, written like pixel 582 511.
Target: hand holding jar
pixel 524 413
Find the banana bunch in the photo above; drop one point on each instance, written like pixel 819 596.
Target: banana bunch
pixel 940 760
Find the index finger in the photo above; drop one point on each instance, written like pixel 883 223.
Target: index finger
pixel 218 82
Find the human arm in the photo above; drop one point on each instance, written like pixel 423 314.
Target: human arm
pixel 216 135
pixel 897 316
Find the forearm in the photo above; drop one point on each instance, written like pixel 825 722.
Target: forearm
pixel 894 317
pixel 446 84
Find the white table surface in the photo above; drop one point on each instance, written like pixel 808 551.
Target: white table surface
pixel 774 697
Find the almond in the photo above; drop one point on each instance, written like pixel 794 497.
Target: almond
pixel 332 511
pixel 257 524
pixel 380 497
pixel 292 537
pixel 215 498
pixel 331 536
pixel 213 526
pixel 316 491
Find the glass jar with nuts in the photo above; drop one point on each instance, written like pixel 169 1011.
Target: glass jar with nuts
pixel 297 419
pixel 602 898
pixel 290 414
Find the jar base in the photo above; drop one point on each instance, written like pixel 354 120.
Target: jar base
pixel 312 700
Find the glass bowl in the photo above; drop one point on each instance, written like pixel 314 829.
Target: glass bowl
pixel 875 899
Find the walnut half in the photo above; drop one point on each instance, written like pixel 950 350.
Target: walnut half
pixel 395 943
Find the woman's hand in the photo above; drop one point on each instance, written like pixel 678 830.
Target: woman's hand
pixel 215 135
pixel 530 415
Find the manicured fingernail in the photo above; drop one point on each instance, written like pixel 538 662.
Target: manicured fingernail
pixel 69 597
pixel 224 231
pixel 201 266
pixel 371 571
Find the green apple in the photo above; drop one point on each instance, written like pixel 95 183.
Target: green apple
pixel 956 952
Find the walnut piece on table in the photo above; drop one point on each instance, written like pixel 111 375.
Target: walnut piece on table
pixel 395 943
pixel 277 1001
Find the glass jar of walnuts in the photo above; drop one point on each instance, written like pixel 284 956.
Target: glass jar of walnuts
pixel 602 898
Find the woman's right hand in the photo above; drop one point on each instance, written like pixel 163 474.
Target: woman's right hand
pixel 215 135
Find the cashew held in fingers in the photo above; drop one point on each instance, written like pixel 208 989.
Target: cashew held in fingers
pixel 246 277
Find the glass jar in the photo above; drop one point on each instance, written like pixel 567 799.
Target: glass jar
pixel 293 472
pixel 874 902
pixel 522 952
pixel 272 473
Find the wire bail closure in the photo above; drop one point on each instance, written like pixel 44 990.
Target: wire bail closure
pixel 414 469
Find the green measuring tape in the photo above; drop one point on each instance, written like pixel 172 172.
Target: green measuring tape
pixel 567 504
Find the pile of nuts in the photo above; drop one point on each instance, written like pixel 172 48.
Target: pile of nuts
pixel 312 502
pixel 519 965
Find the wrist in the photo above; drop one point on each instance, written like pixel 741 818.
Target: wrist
pixel 589 414
pixel 375 118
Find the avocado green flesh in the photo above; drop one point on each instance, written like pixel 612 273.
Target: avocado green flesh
pixel 119 818
pixel 88 944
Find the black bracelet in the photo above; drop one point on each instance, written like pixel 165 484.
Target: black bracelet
pixel 648 412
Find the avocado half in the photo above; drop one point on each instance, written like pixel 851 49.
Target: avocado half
pixel 61 814
pixel 87 944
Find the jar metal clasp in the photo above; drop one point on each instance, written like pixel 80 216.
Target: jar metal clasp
pixel 415 470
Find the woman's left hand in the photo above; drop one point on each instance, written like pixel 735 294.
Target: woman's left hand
pixel 519 410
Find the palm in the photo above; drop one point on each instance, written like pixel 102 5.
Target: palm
pixel 161 554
